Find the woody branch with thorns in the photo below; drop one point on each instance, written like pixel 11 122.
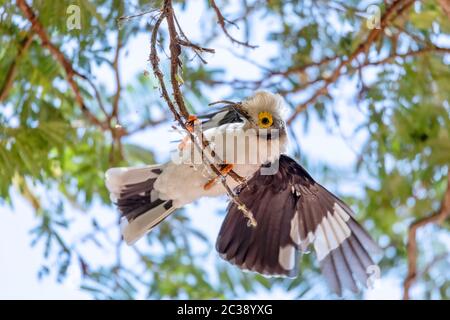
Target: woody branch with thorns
pixel 178 109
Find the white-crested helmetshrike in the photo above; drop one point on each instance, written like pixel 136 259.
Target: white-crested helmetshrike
pixel 292 211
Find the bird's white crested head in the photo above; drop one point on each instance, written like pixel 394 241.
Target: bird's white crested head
pixel 265 112
pixel 266 109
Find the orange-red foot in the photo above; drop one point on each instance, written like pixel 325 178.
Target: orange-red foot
pixel 190 126
pixel 183 143
pixel 191 122
pixel 224 170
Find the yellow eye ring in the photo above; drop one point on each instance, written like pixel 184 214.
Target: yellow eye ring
pixel 265 120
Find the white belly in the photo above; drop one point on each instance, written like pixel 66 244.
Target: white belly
pixel 183 183
pixel 183 180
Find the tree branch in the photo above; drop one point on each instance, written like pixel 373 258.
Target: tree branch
pixel 437 218
pixel 175 62
pixel 96 93
pixel 302 68
pixel 115 65
pixel 187 43
pixel 413 53
pixel 221 21
pixel 183 115
pixel 154 60
pixel 445 5
pixel 137 15
pixel 11 74
pixel 144 125
pixel 391 13
pixel 59 56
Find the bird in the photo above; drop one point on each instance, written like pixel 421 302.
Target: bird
pixel 292 211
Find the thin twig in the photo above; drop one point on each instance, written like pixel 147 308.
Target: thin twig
pixel 195 46
pixel 11 74
pixel 302 68
pixel 412 53
pixel 445 5
pixel 198 50
pixel 146 124
pixel 96 92
pixel 221 21
pixel 175 62
pixel 391 13
pixel 115 65
pixel 59 56
pixel 137 15
pixel 437 218
pixel 154 60
pixel 432 263
pixel 117 130
pixel 265 81
pixel 182 116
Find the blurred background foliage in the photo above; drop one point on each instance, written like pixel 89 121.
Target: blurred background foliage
pixel 54 149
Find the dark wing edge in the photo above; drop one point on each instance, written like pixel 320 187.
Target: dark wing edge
pixel 293 212
pixel 220 116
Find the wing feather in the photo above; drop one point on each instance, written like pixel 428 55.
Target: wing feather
pixel 293 211
pixel 222 116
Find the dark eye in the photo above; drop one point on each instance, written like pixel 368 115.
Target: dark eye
pixel 265 120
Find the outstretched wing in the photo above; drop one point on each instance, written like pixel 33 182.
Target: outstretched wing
pixel 292 212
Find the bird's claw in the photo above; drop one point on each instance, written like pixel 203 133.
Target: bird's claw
pixel 224 170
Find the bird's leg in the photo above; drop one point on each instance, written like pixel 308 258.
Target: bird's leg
pixel 224 170
pixel 190 127
pixel 191 122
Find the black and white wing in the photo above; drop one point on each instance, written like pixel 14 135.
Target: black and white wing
pixel 293 211
pixel 222 116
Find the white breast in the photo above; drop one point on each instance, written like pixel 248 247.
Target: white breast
pixel 183 179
